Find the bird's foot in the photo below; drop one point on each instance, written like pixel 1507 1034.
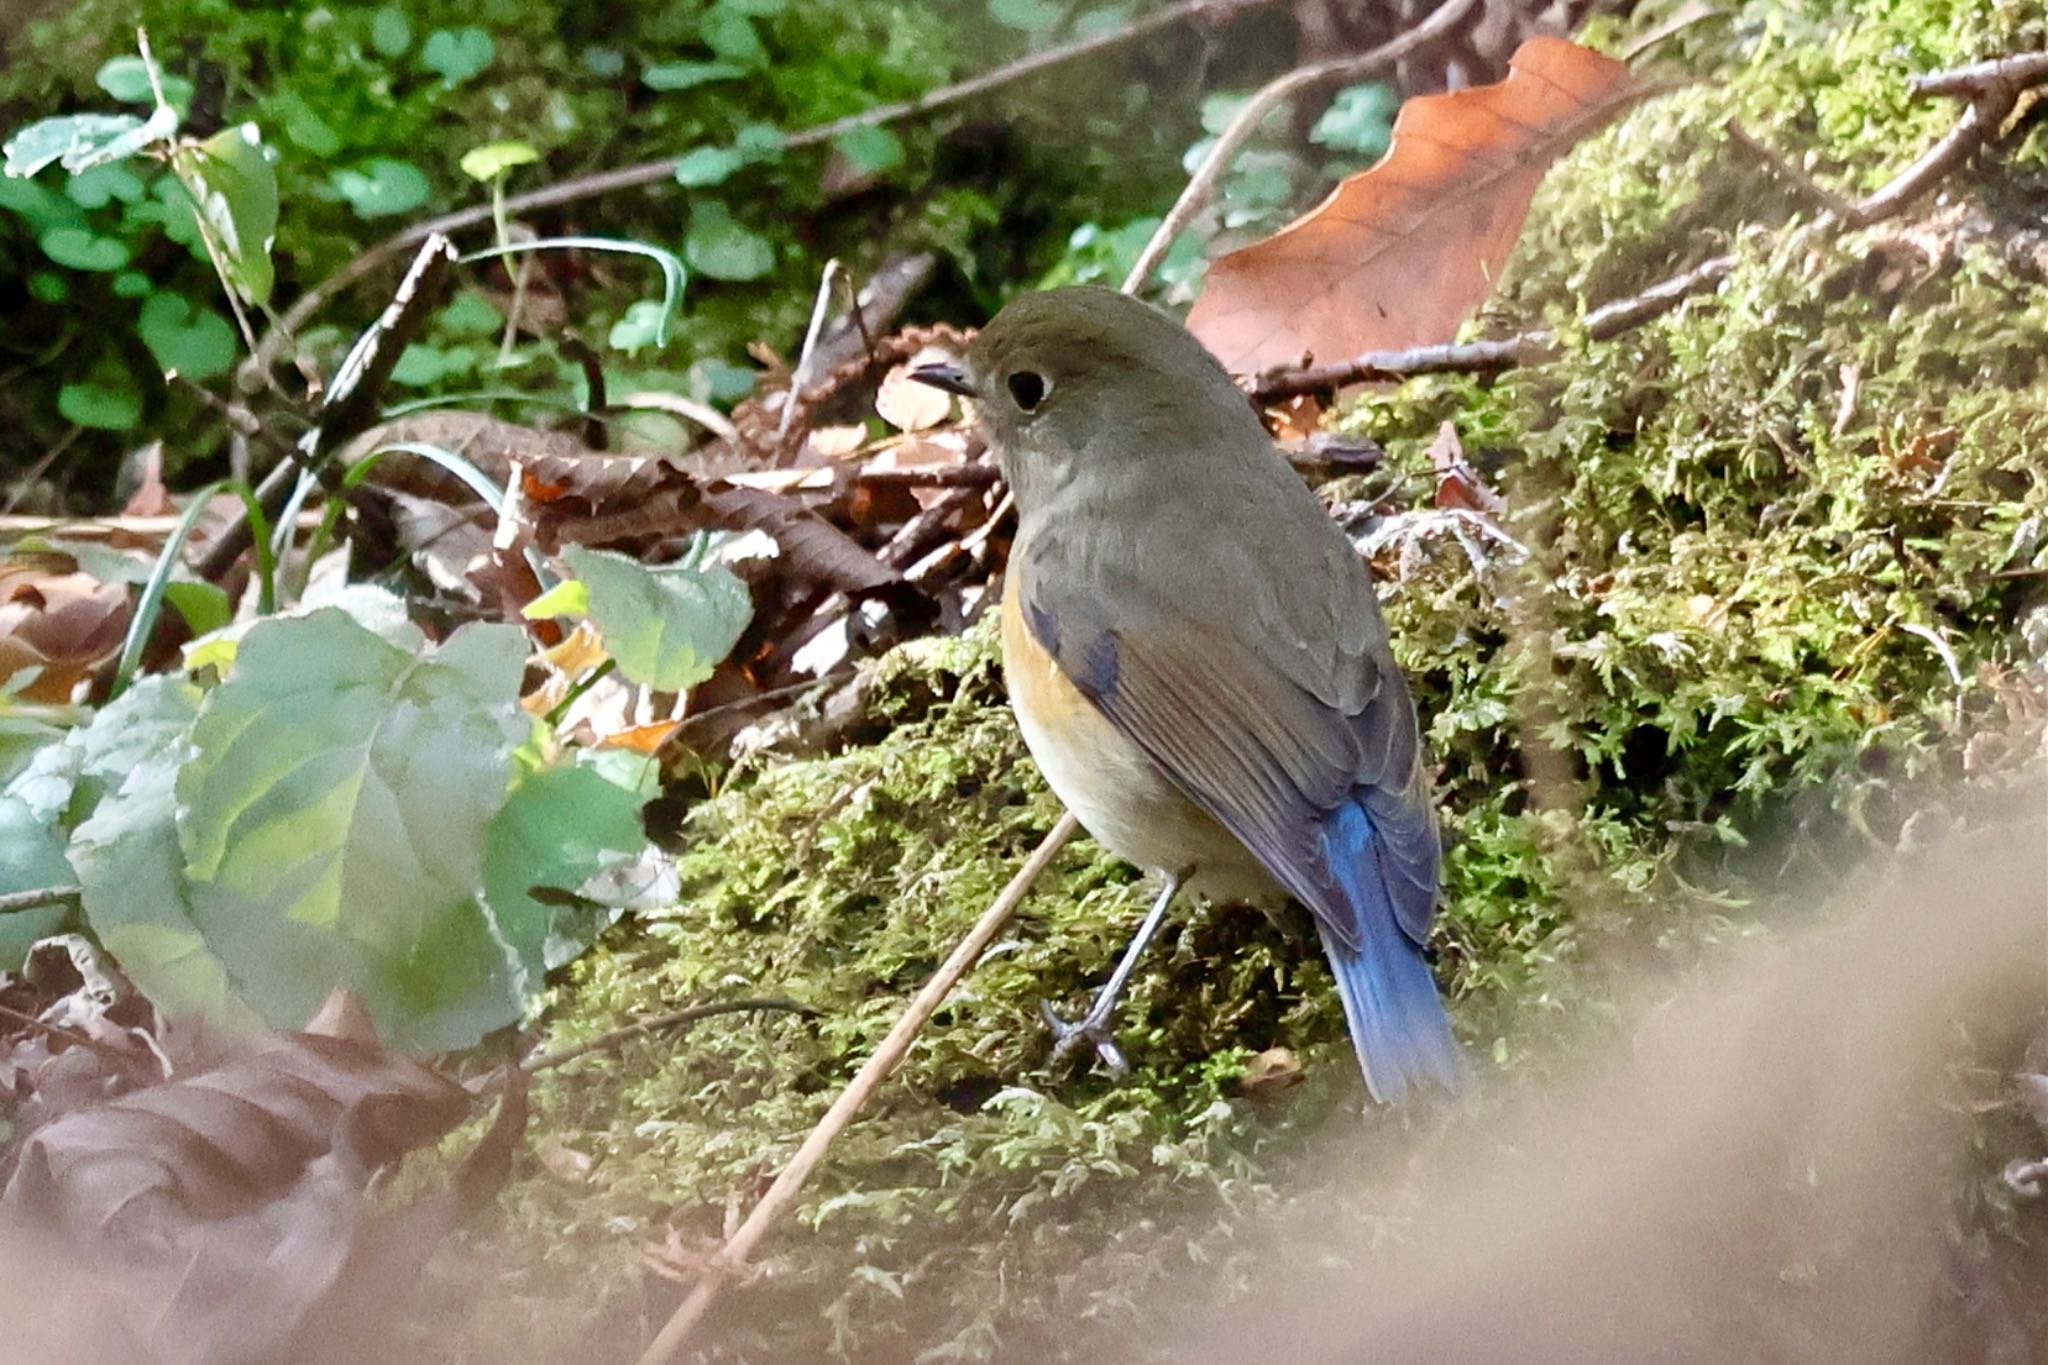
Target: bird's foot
pixel 1092 1027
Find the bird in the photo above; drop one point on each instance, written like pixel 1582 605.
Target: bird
pixel 1197 660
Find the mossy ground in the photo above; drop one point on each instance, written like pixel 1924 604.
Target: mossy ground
pixel 1717 665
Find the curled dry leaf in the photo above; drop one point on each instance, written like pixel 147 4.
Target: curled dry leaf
pixel 1400 254
pixel 58 620
pixel 228 1204
pixel 908 405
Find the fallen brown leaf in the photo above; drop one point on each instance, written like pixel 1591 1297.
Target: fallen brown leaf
pixel 63 622
pixel 1400 254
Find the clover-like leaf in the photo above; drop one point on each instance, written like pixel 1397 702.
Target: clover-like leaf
pixel 493 159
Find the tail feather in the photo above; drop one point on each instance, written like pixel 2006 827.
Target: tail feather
pixel 1391 1005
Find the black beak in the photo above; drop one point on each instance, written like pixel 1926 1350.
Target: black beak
pixel 949 377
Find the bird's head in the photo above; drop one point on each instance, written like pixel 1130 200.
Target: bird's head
pixel 1080 381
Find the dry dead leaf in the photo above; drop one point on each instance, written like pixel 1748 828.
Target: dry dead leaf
pixel 908 405
pixel 58 620
pixel 836 443
pixel 1458 484
pixel 229 1204
pixel 1400 254
pixel 150 498
pixel 1272 1071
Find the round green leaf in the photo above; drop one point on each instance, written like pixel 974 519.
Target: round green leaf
pixel 722 248
pixel 708 166
pixel 101 406
pixel 382 187
pixel 196 342
pixel 83 249
pixel 47 286
pixel 728 32
pixel 127 80
pixel 456 54
pixel 390 31
pixel 870 151
pixel 640 327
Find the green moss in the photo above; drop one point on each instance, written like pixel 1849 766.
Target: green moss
pixel 1714 667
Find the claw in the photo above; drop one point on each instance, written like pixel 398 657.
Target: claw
pixel 1092 1027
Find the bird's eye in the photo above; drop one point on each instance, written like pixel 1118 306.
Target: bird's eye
pixel 1027 388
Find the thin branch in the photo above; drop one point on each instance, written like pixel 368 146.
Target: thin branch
pixel 72 1036
pixel 1976 126
pixel 1203 183
pixel 1802 184
pixel 782 1194
pixel 656 172
pixel 15 902
pixel 2011 74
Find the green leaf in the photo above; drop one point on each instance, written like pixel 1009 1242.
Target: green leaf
pixel 196 342
pixel 66 780
pixel 722 248
pixel 561 827
pixel 390 31
pixel 127 80
pixel 83 249
pixel 639 328
pixel 333 822
pixel 304 126
pixel 127 860
pixel 683 75
pixel 80 141
pixel 456 54
pixel 1359 121
pixel 493 159
pixel 708 166
pixel 101 406
pixel 101 185
pixel 1028 16
pixel 471 313
pixel 205 606
pixel 667 628
pixel 382 187
pixel 32 857
pixel 728 32
pixel 47 286
pixel 230 177
pixel 567 598
pixel 870 150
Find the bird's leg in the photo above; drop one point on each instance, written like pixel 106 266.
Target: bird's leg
pixel 1093 1026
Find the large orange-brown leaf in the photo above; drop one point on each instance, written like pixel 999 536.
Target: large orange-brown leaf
pixel 1400 254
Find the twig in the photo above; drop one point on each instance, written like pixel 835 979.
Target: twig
pixel 604 1042
pixel 1203 183
pixel 1802 184
pixel 800 377
pixel 26 480
pixel 2006 75
pixel 76 1039
pixel 656 172
pixel 14 902
pixel 703 414
pixel 790 1182
pixel 350 400
pixel 1610 320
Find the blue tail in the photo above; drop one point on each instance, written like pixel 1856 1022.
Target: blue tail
pixel 1396 1018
